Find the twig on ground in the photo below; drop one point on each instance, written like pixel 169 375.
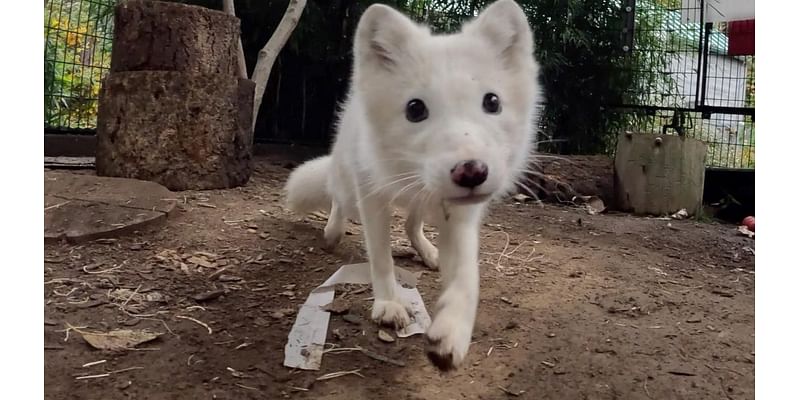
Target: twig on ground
pixel 197 322
pixel 70 328
pixel 103 271
pixel 131 296
pixel 78 378
pixel 62 280
pixel 509 255
pixel 342 350
pixel 338 374
pixel 376 356
pixel 508 392
pixel 369 353
pixel 57 293
pixel 124 370
pixel 57 205
pixel 89 364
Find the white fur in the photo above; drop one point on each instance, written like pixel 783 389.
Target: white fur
pixel 380 159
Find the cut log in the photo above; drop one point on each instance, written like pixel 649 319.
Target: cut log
pixel 184 131
pixel 659 175
pixel 161 36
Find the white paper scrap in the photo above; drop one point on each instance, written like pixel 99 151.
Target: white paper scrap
pixel 306 342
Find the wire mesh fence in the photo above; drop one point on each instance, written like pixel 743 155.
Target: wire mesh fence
pixel 700 90
pixel 78 36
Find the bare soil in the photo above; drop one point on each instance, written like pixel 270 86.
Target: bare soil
pixel 573 306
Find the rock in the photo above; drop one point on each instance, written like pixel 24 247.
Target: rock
pixel 208 296
pixel 80 208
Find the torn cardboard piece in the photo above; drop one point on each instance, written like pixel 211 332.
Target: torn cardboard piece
pixel 307 338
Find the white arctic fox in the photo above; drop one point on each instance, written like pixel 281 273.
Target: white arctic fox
pixel 438 125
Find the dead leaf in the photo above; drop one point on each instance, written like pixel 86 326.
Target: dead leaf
pixel 201 261
pixel 746 232
pixel 206 254
pixel 593 204
pixel 337 306
pixel 383 336
pixel 121 339
pixel 126 294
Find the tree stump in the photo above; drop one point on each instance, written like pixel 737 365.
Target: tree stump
pixel 659 175
pixel 184 131
pixel 173 110
pixel 160 36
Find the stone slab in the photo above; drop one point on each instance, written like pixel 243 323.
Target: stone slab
pixel 82 207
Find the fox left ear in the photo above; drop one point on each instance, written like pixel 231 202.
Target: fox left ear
pixel 505 27
pixel 383 37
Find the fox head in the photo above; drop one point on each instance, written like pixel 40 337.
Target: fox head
pixel 457 111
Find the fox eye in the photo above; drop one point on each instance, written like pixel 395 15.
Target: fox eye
pixel 416 111
pixel 491 103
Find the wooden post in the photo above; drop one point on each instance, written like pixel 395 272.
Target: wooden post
pixel 659 174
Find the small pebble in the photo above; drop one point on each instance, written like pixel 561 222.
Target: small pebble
pixel 211 295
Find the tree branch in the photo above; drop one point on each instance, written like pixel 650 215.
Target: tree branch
pixel 268 54
pixel 227 6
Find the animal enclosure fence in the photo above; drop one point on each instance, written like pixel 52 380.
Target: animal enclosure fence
pixel 77 55
pixel 686 81
pixel 703 91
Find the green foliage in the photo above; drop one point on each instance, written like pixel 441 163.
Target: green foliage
pixel 77 54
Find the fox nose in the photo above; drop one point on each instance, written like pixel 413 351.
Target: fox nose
pixel 469 173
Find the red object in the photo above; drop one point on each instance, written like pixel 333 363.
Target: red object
pixel 750 223
pixel 742 38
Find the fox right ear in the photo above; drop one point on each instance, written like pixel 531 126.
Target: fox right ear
pixel 383 37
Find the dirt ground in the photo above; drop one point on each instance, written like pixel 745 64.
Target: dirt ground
pixel 573 306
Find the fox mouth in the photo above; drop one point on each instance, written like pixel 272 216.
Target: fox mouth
pixel 471 198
